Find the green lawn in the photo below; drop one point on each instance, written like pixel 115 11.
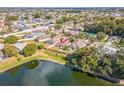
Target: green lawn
pixel 50 56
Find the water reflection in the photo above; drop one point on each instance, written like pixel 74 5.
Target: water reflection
pixel 13 72
pixel 46 73
pixel 31 65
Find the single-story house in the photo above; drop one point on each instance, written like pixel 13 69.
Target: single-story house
pixel 20 46
pixel 2 56
pixel 2 46
pixel 79 44
pixel 113 39
pixel 73 31
pixel 2 25
pixel 108 49
pixel 56 39
pixel 95 44
pixel 43 38
pixel 64 41
pixel 35 34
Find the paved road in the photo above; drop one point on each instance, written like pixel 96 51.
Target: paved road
pixel 24 31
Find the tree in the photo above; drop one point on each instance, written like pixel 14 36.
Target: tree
pixel 32 64
pixel 67 34
pixel 85 58
pixel 48 17
pixel 65 19
pixel 90 60
pixel 121 43
pixel 11 39
pixel 12 18
pixel 101 35
pixel 58 26
pixel 59 21
pixel 41 46
pixel 29 50
pixel 52 35
pixel 10 51
pixel 65 48
pixel 108 25
pixel 34 26
pixel 37 15
pixel 81 35
pixel 71 39
pixel 26 17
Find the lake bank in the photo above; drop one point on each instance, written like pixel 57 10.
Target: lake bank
pixel 41 55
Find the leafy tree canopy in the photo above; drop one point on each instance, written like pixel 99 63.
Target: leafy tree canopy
pixel 29 49
pixel 11 39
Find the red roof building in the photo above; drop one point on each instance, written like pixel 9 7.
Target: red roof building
pixel 63 42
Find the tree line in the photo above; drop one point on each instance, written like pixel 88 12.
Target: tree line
pixel 89 59
pixel 108 25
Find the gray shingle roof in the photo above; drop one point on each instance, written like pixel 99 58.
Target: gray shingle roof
pixel 20 46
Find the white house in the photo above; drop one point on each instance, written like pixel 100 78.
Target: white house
pixel 2 46
pixel 108 50
pixel 43 38
pixel 2 56
pixel 20 46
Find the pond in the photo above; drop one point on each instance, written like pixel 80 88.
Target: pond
pixel 44 73
pixel 91 34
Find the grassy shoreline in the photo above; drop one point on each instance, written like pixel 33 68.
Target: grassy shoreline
pixel 39 55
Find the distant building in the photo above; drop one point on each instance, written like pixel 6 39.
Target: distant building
pixel 2 23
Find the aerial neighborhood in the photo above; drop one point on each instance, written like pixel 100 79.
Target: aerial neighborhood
pixel 72 32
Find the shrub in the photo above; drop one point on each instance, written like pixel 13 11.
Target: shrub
pixel 10 51
pixel 29 49
pixel 11 39
pixel 41 46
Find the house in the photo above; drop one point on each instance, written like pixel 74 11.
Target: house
pixel 2 23
pixel 20 46
pixel 56 38
pixel 121 51
pixel 113 39
pixel 73 31
pixel 2 56
pixel 95 44
pixel 43 38
pixel 108 50
pixel 64 41
pixel 79 44
pixel 2 46
pixel 53 40
pixel 35 34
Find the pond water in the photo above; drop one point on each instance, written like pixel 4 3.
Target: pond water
pixel 91 34
pixel 44 73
